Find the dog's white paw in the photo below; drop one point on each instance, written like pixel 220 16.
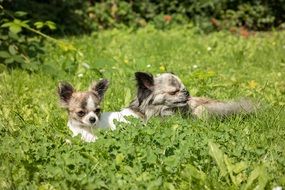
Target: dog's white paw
pixel 89 138
pixel 67 141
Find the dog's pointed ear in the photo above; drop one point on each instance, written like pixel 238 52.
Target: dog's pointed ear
pixel 65 91
pixel 100 87
pixel 144 80
pixel 145 85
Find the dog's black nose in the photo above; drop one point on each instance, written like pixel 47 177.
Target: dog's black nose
pixel 186 92
pixel 92 120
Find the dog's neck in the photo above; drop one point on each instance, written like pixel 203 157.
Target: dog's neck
pixel 137 111
pixel 145 110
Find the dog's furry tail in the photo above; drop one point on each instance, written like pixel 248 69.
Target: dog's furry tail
pixel 202 107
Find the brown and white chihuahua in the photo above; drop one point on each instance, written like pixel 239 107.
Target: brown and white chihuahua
pixel 83 108
pixel 158 96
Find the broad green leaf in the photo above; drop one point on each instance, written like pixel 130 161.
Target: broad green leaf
pixel 14 36
pixel 254 174
pixel 119 158
pixel 7 24
pixel 241 177
pixel 237 168
pixel 230 170
pixel 24 23
pixel 39 25
pixel 218 156
pixel 9 60
pixel 19 59
pixel 4 37
pixel 143 177
pixel 171 161
pixel 46 186
pixel 151 157
pixel 169 186
pixel 260 174
pixel 191 171
pixel 263 179
pixel 66 46
pixel 20 13
pixel 51 25
pixel 4 54
pixel 14 28
pixel 12 49
pixel 90 157
pixel 17 21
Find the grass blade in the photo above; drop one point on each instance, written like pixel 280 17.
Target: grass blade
pixel 218 156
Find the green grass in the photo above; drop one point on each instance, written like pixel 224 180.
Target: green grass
pixel 168 153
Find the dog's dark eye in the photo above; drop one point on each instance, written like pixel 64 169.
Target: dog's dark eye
pixel 81 113
pixel 173 92
pixel 98 110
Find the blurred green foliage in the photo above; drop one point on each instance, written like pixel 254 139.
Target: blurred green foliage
pixel 75 16
pixel 22 41
pixel 18 49
pixel 25 23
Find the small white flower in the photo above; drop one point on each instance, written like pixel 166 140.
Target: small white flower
pixel 80 75
pixel 209 48
pixel 277 188
pixel 195 66
pixel 148 66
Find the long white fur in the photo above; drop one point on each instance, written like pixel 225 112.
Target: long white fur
pixel 107 118
pixel 85 132
pixel 90 103
pixel 106 121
